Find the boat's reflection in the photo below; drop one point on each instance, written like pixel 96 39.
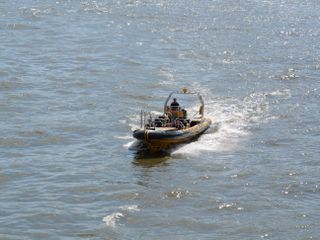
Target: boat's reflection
pixel 151 162
pixel 144 158
pixel 148 159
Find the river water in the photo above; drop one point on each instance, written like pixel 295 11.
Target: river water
pixel 74 76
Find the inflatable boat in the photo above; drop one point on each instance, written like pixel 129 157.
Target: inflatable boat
pixel 174 126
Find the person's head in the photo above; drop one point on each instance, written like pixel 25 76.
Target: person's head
pixel 174 100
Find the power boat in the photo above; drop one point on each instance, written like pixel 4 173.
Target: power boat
pixel 173 126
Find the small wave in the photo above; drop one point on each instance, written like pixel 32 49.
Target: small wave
pixel 289 75
pixel 130 208
pixel 177 193
pixel 283 93
pixel 34 12
pixel 169 74
pixel 11 84
pixel 228 206
pixel 13 142
pixel 301 188
pixel 132 145
pixel 112 219
pixel 34 133
pixel 93 6
pixel 127 137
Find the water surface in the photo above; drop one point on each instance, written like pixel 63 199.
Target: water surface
pixel 74 77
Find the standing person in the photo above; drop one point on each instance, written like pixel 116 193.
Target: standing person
pixel 174 109
pixel 174 105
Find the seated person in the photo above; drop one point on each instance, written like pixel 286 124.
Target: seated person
pixel 184 114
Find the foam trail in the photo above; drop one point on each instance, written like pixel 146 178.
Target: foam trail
pixel 232 119
pixel 228 126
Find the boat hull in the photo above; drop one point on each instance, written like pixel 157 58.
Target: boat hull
pixel 159 139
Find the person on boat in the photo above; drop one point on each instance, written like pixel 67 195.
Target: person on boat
pixel 178 124
pixel 174 105
pixel 172 111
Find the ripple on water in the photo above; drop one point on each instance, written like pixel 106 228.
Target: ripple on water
pixel 195 224
pixel 300 189
pixel 36 137
pixel 177 193
pixel 66 65
pixel 243 174
pixel 6 142
pixel 17 26
pixel 230 206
